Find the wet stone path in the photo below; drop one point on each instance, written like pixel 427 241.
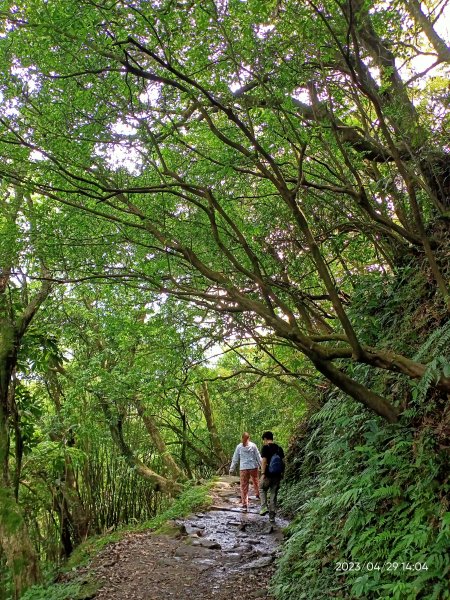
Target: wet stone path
pixel 220 554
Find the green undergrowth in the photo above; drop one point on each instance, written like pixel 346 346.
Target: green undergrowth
pixel 371 501
pixel 191 499
pixel 82 586
pixel 372 516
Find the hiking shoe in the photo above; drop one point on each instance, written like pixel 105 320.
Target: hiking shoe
pixel 245 507
pixel 264 510
pixel 271 519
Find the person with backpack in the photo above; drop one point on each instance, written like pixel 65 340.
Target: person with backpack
pixel 272 469
pixel 247 455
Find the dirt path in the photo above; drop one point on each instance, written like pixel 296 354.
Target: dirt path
pixel 220 554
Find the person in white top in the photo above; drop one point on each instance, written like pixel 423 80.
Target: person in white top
pixel 247 454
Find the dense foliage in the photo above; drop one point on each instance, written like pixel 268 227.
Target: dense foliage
pixel 267 180
pixel 371 502
pixel 372 511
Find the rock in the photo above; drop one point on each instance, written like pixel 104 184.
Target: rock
pixel 175 523
pixel 205 563
pixel 243 548
pixel 265 551
pixel 194 551
pixel 191 529
pixel 259 563
pixel 268 530
pixel 233 556
pixel 222 484
pixel 210 544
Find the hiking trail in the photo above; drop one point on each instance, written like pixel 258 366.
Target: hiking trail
pixel 222 553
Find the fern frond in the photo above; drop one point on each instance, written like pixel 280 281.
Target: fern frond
pixel 436 343
pixel 437 367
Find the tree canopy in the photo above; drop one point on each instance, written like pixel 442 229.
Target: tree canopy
pixel 248 158
pixel 176 175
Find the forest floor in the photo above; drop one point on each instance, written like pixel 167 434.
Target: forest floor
pixel 222 553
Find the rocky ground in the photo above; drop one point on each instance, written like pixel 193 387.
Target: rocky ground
pixel 220 554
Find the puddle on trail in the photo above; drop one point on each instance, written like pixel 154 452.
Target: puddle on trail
pixel 247 540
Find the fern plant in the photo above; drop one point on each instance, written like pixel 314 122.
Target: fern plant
pixel 366 495
pixel 436 343
pixel 436 368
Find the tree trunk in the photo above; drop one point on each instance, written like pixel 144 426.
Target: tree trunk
pixel 20 554
pixel 21 557
pixel 359 392
pixel 210 423
pixel 6 360
pixel 73 514
pixel 186 443
pixel 159 443
pixel 115 426
pixel 184 457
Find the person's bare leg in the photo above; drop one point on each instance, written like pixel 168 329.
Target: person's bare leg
pixel 245 480
pixel 255 481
